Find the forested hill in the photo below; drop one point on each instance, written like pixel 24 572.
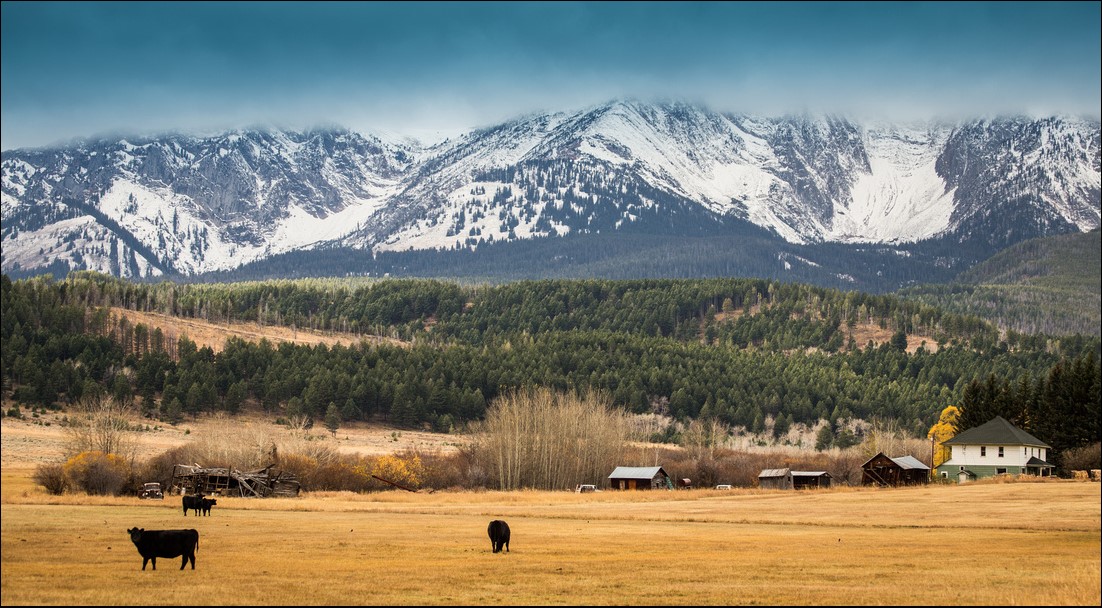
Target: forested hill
pixel 1050 285
pixel 757 355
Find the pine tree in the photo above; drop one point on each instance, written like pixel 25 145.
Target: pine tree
pixel 332 418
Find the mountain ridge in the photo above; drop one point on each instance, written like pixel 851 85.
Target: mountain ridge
pixel 185 205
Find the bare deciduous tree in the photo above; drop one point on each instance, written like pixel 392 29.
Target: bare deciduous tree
pixel 885 437
pixel 101 423
pixel 548 440
pixel 702 437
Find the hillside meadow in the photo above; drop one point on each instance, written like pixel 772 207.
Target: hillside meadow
pixel 1025 543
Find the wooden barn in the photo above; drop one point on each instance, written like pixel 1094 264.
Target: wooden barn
pixel 640 478
pixel 775 479
pixel 786 479
pixel 808 480
pixel 899 471
pixel 194 479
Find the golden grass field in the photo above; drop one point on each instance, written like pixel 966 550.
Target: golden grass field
pixel 980 544
pixel 206 333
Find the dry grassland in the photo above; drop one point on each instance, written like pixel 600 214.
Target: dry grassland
pixel 30 442
pixel 862 333
pixel 205 333
pixel 979 544
pixel 1006 544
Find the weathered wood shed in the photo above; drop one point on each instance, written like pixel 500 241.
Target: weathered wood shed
pixel 775 479
pixel 640 478
pixel 786 479
pixel 195 479
pixel 899 471
pixel 810 479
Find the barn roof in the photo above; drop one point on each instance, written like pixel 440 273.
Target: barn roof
pixel 903 462
pixel 809 474
pixel 996 431
pixel 909 462
pixel 636 472
pixel 766 473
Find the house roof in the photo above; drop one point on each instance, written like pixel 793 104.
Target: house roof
pixel 909 462
pixel 636 472
pixel 996 431
pixel 773 473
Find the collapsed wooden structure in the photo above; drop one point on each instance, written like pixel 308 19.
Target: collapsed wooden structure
pixel 900 471
pixel 195 479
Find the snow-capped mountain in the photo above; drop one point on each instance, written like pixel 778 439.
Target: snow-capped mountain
pixel 179 204
pixel 187 205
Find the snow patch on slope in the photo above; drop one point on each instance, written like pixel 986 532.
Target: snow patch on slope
pixel 903 199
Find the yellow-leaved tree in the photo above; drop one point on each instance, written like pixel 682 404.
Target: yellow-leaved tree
pixel 97 473
pixel 403 469
pixel 944 430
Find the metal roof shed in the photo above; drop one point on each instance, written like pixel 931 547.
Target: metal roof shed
pixel 639 478
pixel 899 471
pixel 775 479
pixel 810 479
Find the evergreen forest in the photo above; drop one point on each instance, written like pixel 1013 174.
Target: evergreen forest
pixel 757 355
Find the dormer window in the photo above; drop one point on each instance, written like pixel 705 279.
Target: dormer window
pixel 983 451
pixel 1000 451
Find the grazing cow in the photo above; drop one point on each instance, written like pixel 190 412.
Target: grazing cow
pixel 152 544
pixel 205 504
pixel 193 502
pixel 499 535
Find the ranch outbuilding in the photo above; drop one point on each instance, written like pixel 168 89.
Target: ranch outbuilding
pixel 640 478
pixel 806 480
pixel 775 479
pixel 898 471
pixel 786 479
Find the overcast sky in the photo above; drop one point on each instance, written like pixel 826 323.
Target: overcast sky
pixel 436 69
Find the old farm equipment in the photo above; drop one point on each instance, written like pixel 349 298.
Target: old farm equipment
pixel 195 479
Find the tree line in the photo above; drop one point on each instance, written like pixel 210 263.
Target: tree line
pixel 663 346
pixel 1060 407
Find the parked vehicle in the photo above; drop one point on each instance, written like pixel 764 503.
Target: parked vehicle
pixel 152 490
pixel 586 487
pixel 723 486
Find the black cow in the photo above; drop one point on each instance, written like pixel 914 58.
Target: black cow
pixel 152 544
pixel 499 535
pixel 194 502
pixel 205 504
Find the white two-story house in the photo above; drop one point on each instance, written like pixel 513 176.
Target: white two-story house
pixel 995 448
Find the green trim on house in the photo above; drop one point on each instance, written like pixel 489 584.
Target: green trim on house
pixel 985 471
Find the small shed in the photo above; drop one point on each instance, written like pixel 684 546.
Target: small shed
pixel 899 471
pixel 786 479
pixel 640 478
pixel 810 479
pixel 775 479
